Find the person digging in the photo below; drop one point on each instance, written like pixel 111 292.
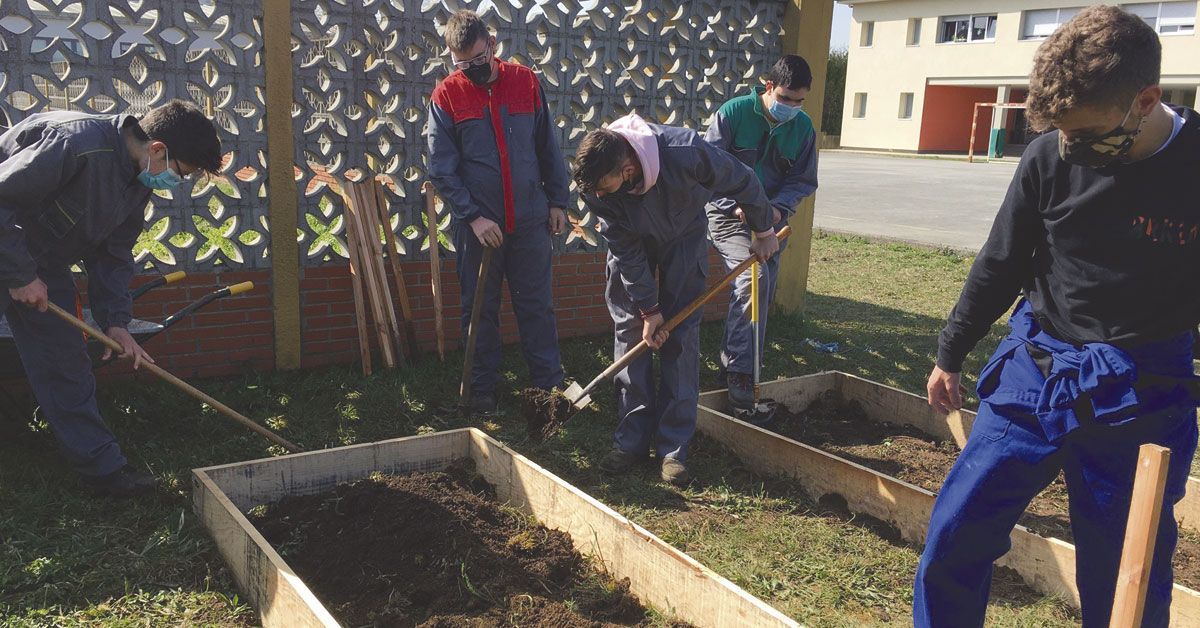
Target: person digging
pixel 768 131
pixel 1099 234
pixel 74 187
pixel 648 185
pixel 495 161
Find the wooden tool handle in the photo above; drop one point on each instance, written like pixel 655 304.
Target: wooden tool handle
pixel 681 316
pixel 464 388
pixel 1141 531
pixel 175 381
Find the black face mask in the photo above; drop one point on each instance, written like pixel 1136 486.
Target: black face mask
pixel 626 187
pixel 480 75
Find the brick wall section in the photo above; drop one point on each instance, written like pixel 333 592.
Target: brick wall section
pixel 234 334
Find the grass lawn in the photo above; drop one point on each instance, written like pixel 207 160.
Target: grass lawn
pixel 66 559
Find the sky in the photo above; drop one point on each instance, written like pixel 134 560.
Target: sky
pixel 840 36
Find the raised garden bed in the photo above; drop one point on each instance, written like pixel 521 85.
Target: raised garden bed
pixel 505 489
pixel 893 482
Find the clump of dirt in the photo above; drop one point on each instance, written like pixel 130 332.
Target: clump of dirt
pixel 842 428
pixel 438 550
pixel 545 411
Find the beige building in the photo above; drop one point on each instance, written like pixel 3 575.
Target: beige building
pixel 917 68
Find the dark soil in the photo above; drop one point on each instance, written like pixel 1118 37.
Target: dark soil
pixel 842 428
pixel 545 411
pixel 438 550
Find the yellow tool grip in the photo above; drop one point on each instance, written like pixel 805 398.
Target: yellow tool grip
pixel 245 286
pixel 175 276
pixel 754 292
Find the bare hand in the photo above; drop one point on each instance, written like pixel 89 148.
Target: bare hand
pixel 943 389
pixel 129 347
pixel 558 220
pixel 776 215
pixel 651 332
pixel 765 245
pixel 488 232
pixel 32 294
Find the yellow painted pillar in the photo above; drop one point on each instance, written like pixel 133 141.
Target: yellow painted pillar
pixel 282 194
pixel 806 26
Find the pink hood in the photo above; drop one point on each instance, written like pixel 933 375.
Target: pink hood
pixel 635 130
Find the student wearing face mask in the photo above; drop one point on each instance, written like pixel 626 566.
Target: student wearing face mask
pixel 768 131
pixel 648 184
pixel 495 161
pixel 74 187
pixel 1098 242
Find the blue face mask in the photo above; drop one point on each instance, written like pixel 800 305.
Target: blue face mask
pixel 782 113
pixel 168 179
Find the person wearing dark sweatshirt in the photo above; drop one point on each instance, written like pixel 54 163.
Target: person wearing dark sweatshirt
pixel 74 188
pixel 1099 236
pixel 648 184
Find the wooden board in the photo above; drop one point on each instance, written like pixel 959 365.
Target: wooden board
pixel 659 574
pixel 1047 565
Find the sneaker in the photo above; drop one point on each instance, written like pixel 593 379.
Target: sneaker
pixel 483 403
pixel 124 482
pixel 674 472
pixel 741 391
pixel 617 461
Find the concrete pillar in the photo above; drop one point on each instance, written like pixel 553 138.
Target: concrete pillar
pixel 806 26
pixel 996 136
pixel 282 192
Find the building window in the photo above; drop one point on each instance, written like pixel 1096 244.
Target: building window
pixel 906 106
pixel 1167 18
pixel 967 28
pixel 866 38
pixel 1041 23
pixel 914 31
pixel 860 105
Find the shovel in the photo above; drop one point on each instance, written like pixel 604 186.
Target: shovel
pixel 464 389
pixel 579 398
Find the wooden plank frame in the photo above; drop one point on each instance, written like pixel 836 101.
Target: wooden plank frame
pixel 659 574
pixel 1046 564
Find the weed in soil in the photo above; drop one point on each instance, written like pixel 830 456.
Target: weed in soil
pixel 438 550
pixel 842 428
pixel 545 411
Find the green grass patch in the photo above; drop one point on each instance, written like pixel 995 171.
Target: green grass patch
pixel 69 559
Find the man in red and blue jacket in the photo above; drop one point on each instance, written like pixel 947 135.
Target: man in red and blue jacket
pixel 496 163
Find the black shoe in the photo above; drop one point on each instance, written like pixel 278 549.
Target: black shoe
pixel 674 472
pixel 483 403
pixel 741 391
pixel 617 461
pixel 124 482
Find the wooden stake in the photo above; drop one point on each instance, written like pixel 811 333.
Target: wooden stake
pixel 435 266
pixel 1137 556
pixel 354 211
pixel 370 213
pixel 357 284
pixel 393 256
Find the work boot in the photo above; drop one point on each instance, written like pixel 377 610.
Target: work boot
pixel 124 482
pixel 674 472
pixel 483 403
pixel 617 461
pixel 741 391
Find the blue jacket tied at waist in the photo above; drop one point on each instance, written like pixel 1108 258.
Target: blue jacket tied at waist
pixel 1068 386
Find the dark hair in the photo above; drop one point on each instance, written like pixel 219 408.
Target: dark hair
pixel 463 29
pixel 1102 57
pixel 790 72
pixel 189 135
pixel 601 153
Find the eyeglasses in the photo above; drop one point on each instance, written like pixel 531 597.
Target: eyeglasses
pixel 478 59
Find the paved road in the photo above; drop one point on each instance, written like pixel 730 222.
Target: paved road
pixel 938 202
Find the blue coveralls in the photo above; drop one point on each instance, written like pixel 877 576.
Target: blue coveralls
pixel 663 232
pixel 69 192
pixel 785 160
pixel 1088 418
pixel 493 153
